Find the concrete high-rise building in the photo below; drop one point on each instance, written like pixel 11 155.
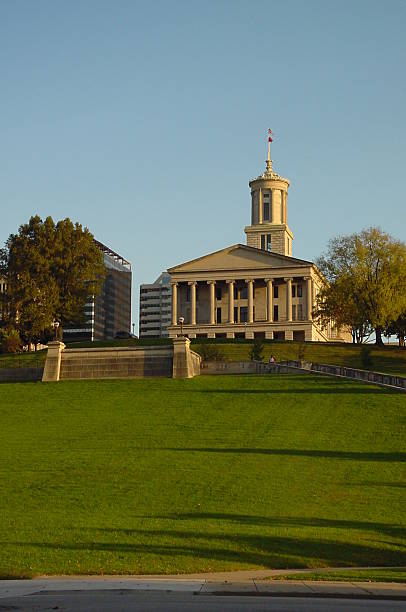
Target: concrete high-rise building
pixel 110 312
pixel 155 308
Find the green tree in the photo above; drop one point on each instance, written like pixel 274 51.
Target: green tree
pixel 51 270
pixel 398 328
pixel 366 276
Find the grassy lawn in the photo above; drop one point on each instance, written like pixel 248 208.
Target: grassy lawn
pixel 212 473
pixel 381 575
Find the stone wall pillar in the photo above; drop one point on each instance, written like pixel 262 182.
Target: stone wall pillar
pixel 53 361
pixel 174 303
pixel 212 288
pixel 309 298
pixel 269 302
pixel 192 285
pixel 184 363
pixel 230 284
pixel 288 282
pixel 250 284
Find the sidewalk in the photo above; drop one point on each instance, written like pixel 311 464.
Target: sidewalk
pixel 213 584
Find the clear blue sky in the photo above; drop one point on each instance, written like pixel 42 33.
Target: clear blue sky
pixel 145 120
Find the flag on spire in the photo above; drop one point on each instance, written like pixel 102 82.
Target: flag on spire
pixel 270 134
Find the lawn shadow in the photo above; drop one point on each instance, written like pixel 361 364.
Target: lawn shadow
pixel 294 452
pixel 251 550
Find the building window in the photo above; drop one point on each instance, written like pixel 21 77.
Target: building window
pixel 275 313
pixel 266 211
pixel 243 314
pixel 293 290
pixel 276 291
pixel 268 242
pixel 235 314
pixel 299 291
pixel 244 293
pixel 188 293
pixel 263 242
pixel 300 312
pixel 218 315
pixel 218 293
pixel 294 312
pixel 235 292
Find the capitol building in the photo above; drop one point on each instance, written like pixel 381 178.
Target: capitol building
pixel 257 290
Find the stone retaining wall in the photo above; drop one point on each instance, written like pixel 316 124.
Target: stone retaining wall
pixel 245 367
pixel 176 360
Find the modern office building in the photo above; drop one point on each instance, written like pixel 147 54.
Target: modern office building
pixel 110 312
pixel 155 308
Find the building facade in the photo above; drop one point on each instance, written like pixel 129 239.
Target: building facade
pixel 155 308
pixel 110 312
pixel 253 290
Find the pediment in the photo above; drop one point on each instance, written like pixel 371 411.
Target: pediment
pixel 238 257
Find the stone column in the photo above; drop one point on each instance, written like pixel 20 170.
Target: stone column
pixel 269 302
pixel 282 206
pixel 212 289
pixel 174 303
pixel 250 284
pixel 309 297
pixel 272 205
pixel 192 285
pixel 288 299
pixel 230 284
pixel 260 206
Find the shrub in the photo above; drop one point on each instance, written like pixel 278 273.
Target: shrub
pixel 257 350
pixel 10 341
pixel 365 356
pixel 210 352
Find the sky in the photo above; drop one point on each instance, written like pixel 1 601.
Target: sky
pixel 144 121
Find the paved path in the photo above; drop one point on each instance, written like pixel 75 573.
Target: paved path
pixel 253 586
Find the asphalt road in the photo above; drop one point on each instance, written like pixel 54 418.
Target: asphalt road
pixel 161 601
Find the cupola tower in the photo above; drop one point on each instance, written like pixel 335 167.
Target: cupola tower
pixel 269 229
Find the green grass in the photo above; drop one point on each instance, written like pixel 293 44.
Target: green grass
pixel 372 575
pixel 390 359
pixel 212 473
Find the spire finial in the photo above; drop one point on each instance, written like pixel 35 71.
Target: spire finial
pixel 269 160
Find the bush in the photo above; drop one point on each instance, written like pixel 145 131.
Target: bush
pixel 257 351
pixel 10 341
pixel 209 352
pixel 365 356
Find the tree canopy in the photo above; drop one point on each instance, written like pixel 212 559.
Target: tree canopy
pixel 366 274
pixel 51 270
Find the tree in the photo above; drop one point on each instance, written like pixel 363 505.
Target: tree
pixel 51 270
pixel 366 276
pixel 398 328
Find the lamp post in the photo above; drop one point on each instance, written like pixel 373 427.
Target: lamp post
pixel 181 322
pixel 55 325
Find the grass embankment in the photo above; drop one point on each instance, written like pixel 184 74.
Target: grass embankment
pixel 212 473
